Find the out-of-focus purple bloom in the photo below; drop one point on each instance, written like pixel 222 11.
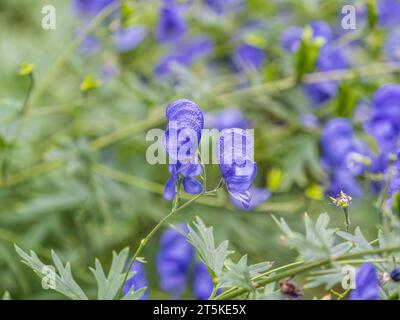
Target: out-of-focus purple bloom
pixel 362 111
pixel 90 7
pixel 309 121
pixel 235 153
pixel 367 284
pixel 222 6
pixel 138 281
pixel 379 166
pixel 257 196
pixel 392 46
pixel 90 45
pixel 249 57
pixel 202 282
pixel 344 156
pixel 185 54
pixel 129 38
pixel 384 124
pixel 171 26
pixel 174 261
pixel 108 71
pixel 394 187
pixel 330 58
pixel 388 12
pixel 291 38
pixel 229 118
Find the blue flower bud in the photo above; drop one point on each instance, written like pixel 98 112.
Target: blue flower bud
pixel 395 274
pixel 138 281
pixel 367 284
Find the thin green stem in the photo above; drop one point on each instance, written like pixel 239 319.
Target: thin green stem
pixel 213 292
pixel 145 240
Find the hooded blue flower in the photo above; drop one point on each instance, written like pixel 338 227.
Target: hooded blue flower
pixel 174 261
pixel 367 284
pixel 388 12
pixel 384 124
pixel 184 124
pixel 185 54
pixel 235 153
pixel 291 37
pixel 129 38
pixel 171 26
pixel 257 196
pixel 90 7
pixel 138 281
pixel 344 156
pixel 202 282
pixel 330 58
pixel 229 118
pixel 392 46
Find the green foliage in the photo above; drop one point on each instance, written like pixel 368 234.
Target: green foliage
pixel 65 284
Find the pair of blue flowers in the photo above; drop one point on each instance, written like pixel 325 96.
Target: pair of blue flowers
pixel 185 122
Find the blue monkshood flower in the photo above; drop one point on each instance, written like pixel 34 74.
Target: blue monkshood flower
pixel 341 180
pixel 235 153
pixel 330 58
pixel 229 118
pixel 362 111
pixel 257 197
pixel 291 37
pixel 185 121
pixel 188 171
pixel 174 261
pixel 384 124
pixel 379 166
pixel 392 46
pixel 90 7
pixel 395 274
pixel 138 281
pixel 127 39
pixel 171 26
pixel 185 54
pixel 394 187
pixel 388 12
pixel 367 284
pixel 247 56
pixel 202 282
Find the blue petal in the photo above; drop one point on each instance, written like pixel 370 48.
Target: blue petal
pixel 169 190
pixel 192 186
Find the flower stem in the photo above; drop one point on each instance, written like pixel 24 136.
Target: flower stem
pixel 145 240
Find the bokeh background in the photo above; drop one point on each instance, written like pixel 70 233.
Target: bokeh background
pixel 76 178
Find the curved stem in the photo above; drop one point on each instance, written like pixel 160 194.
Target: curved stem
pixel 144 241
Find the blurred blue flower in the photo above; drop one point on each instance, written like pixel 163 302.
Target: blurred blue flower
pixel 138 281
pixel 129 38
pixel 388 12
pixel 309 121
pixel 257 197
pixel 235 153
pixel 228 118
pixel 202 282
pixel 174 261
pixel 222 6
pixel 392 46
pixel 367 284
pixel 394 187
pixel 185 54
pixel 384 124
pixel 90 45
pixel 291 36
pixel 330 58
pixel 171 25
pixel 247 56
pixel 90 7
pixel 344 156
